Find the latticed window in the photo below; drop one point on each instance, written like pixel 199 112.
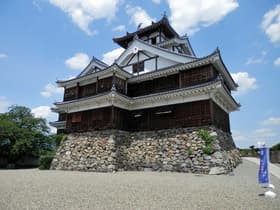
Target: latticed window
pixel 138 67
pixel 70 93
pixel 76 118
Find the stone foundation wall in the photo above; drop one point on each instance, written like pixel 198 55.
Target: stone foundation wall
pixel 178 150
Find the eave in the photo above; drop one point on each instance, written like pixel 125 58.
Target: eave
pixel 212 90
pixel 94 62
pixel 183 41
pixel 213 58
pixel 154 49
pixel 90 78
pixel 164 23
pixel 60 125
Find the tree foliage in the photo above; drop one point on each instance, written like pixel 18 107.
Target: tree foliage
pixel 21 134
pixel 275 147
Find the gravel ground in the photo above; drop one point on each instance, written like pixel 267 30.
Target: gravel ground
pixel 34 189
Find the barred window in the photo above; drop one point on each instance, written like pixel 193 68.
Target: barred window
pixel 138 67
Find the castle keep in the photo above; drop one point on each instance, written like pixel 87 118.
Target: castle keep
pixel 146 109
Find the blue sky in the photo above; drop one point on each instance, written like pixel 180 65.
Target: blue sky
pixel 45 40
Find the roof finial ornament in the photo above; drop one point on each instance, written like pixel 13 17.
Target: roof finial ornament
pixel 139 26
pixel 217 50
pixel 185 36
pixel 164 16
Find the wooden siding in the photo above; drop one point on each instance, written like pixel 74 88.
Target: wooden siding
pixel 105 84
pixel 173 116
pixel 62 117
pixel 87 90
pixel 197 75
pixel 70 94
pixel 120 85
pixel 183 79
pixel 154 86
pixel 220 118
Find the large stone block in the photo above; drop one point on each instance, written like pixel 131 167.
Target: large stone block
pixel 178 150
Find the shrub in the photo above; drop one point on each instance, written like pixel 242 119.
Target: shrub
pixel 208 150
pixel 45 161
pixel 189 151
pixel 275 147
pixel 206 136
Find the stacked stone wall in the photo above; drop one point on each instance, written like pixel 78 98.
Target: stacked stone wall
pixel 178 150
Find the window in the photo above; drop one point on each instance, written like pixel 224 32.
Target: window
pixel 138 67
pixel 154 40
pixel 76 118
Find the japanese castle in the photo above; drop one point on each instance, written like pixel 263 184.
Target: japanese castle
pixel 156 83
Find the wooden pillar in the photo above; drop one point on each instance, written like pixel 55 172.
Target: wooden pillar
pixel 126 86
pixel 138 63
pixel 180 79
pixel 96 90
pixel 114 81
pixel 77 90
pixel 211 111
pixel 113 117
pixel 156 63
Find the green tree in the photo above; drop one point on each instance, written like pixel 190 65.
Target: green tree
pixel 275 147
pixel 22 134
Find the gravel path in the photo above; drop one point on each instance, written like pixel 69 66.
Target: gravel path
pixel 34 189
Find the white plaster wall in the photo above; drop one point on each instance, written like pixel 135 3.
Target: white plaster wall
pixel 150 64
pixel 163 63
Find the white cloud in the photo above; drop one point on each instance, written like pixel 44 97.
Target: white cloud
pixel 41 111
pixel 119 28
pixel 263 133
pixel 156 1
pixel 46 113
pixel 271 24
pixel 257 60
pixel 277 62
pixel 245 82
pixel 139 16
pixel 266 135
pixel 4 104
pixel 3 55
pixel 78 61
pixel 36 4
pixel 111 56
pixel 83 12
pixel 50 89
pixel 272 121
pixel 188 16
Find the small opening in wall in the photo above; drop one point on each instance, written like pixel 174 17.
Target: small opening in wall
pixel 154 40
pixel 138 115
pixel 138 67
pixel 163 112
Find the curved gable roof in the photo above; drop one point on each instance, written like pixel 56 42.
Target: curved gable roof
pixel 93 63
pixel 163 24
pixel 162 52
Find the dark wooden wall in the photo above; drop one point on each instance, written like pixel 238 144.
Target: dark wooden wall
pixel 172 116
pixel 199 113
pixel 97 119
pixel 154 86
pixel 183 79
pixel 220 118
pixel 103 85
pixel 197 75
